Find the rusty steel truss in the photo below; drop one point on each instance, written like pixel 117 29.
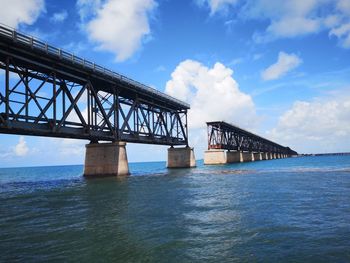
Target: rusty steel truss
pixel 45 91
pixel 222 135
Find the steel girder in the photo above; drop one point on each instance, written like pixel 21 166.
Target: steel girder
pixel 45 102
pixel 222 135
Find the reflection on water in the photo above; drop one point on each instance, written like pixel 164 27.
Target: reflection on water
pixel 294 209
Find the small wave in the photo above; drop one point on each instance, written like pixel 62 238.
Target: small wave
pixel 224 171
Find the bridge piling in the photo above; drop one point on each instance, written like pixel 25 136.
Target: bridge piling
pixel 257 156
pixel 234 157
pixel 182 157
pixel 106 159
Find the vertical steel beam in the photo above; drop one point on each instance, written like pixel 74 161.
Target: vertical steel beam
pixel 54 91
pixel 26 97
pixel 186 135
pixel 7 87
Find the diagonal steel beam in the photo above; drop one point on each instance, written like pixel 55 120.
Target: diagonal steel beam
pixel 127 118
pixel 67 92
pixel 101 108
pixel 48 105
pixel 30 92
pixel 70 108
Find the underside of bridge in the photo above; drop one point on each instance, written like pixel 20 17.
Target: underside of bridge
pixel 45 91
pixel 230 144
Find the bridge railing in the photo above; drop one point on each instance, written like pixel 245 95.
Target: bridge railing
pixel 34 43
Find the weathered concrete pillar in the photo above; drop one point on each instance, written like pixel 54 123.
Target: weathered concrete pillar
pixel 271 156
pixel 234 157
pixel 217 156
pixel 265 156
pixel 257 156
pixel 106 159
pixel 181 157
pixel 248 157
pixel 214 156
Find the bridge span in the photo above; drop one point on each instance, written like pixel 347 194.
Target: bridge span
pixel 46 91
pixel 228 144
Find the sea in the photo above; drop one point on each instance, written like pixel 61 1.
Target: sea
pixel 285 210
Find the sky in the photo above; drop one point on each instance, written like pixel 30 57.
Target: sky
pixel 277 68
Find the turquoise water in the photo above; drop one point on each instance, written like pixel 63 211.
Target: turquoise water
pixel 287 210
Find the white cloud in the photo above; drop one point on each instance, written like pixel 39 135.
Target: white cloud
pixel 59 17
pixel 321 125
pixel 88 8
pixel 216 5
pixel 289 19
pixel 21 149
pixel 117 26
pixel 344 6
pixel 212 93
pixel 15 12
pixel 285 63
pixel 342 32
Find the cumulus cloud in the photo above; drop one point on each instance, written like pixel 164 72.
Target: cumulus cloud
pixel 213 94
pixel 117 26
pixel 289 19
pixel 286 18
pixel 21 149
pixel 15 12
pixel 59 17
pixel 216 5
pixel 321 125
pixel 285 63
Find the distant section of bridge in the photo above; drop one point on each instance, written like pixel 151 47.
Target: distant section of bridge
pixel 45 91
pixel 228 143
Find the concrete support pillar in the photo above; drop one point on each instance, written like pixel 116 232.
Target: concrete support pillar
pixel 271 156
pixel 234 157
pixel 181 157
pixel 257 157
pixel 214 156
pixel 106 159
pixel 265 156
pixel 248 157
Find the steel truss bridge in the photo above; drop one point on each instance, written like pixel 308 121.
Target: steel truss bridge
pixel 46 91
pixel 222 135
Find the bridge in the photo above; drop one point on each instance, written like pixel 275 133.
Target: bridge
pixel 228 144
pixel 46 91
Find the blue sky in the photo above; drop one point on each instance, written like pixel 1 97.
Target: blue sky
pixel 278 68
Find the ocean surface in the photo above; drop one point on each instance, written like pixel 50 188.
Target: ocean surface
pixel 286 210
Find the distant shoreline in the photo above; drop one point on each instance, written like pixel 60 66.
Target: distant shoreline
pixel 324 154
